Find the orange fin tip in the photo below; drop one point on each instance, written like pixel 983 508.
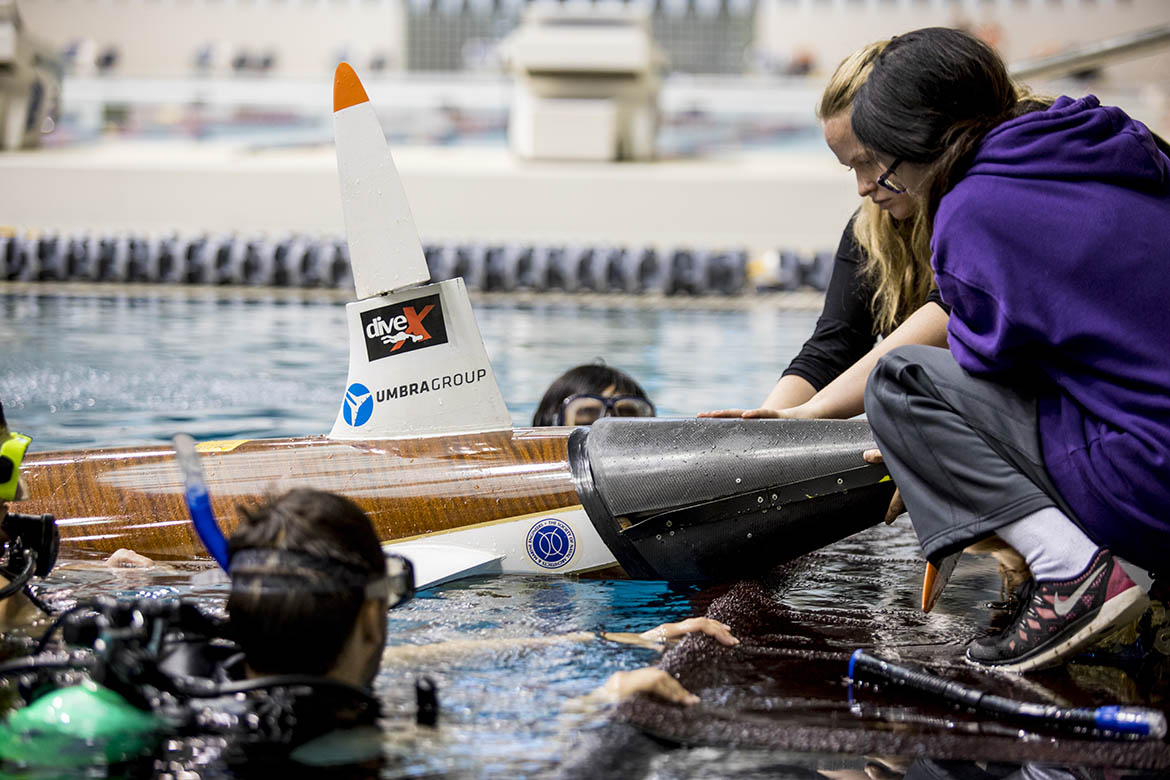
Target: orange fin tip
pixel 347 88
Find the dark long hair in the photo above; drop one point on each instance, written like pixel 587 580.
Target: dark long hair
pixel 931 98
pixel 589 378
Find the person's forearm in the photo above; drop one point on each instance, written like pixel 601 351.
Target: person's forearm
pixel 790 391
pixel 845 396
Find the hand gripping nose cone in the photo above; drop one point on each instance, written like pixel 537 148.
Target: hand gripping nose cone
pixel 384 249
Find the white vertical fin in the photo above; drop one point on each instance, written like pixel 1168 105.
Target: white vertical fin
pixel 384 249
pixel 417 364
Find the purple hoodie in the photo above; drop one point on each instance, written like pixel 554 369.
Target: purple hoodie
pixel 1054 252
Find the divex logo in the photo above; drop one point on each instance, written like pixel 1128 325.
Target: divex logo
pixel 404 327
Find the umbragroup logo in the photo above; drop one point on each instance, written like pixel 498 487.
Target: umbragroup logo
pixel 404 327
pixel 358 405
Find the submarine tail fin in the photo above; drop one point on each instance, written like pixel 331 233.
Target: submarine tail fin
pixel 417 363
pixel 384 248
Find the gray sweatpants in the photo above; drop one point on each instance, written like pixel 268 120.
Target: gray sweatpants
pixel 964 451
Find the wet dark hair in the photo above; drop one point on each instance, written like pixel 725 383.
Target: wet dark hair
pixel 589 378
pixel 293 614
pixel 932 96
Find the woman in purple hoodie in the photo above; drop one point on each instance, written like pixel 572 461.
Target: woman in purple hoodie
pixel 1048 420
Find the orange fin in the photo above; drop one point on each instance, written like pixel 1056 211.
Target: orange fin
pixel 347 88
pixel 936 578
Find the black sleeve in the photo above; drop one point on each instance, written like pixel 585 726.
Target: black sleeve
pixel 845 330
pixel 934 296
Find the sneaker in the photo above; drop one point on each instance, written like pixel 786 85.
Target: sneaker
pixel 1059 618
pixel 1005 613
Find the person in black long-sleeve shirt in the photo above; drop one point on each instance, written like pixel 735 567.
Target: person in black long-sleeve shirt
pixel 881 283
pixel 846 328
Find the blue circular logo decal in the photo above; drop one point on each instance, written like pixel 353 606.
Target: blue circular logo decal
pixel 358 405
pixel 551 543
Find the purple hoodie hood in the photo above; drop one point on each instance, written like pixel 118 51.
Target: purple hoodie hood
pixel 1075 140
pixel 1053 252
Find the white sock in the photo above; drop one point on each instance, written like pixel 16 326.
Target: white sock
pixel 1054 546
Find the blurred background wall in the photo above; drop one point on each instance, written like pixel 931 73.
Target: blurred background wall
pixel 188 116
pixel 307 37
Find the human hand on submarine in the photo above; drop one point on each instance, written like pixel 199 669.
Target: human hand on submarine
pixel 897 505
pixel 668 632
pixel 802 412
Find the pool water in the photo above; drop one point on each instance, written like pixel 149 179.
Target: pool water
pixel 124 368
pixel 120 369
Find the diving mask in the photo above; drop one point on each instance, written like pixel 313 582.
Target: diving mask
pixel 587 408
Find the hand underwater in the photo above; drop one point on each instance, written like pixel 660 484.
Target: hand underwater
pixel 651 680
pixel 128 559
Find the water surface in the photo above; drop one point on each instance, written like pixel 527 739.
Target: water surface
pixel 128 368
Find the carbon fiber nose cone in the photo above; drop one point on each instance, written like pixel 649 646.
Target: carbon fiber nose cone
pixel 711 500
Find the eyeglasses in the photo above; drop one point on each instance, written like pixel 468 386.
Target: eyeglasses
pixel 888 181
pixel 586 408
pixel 12 451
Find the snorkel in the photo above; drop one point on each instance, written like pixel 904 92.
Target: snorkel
pixel 198 501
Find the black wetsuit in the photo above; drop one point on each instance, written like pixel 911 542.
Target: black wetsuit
pixel 846 329
pixel 285 731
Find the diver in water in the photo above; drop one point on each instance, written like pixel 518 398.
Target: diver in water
pixel 1047 423
pixel 286 677
pixel 310 589
pixel 309 595
pixel 586 393
pixel 30 542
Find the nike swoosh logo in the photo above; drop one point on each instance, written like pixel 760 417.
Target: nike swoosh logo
pixel 1062 606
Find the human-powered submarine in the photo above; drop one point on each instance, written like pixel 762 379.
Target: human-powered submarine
pixel 423 442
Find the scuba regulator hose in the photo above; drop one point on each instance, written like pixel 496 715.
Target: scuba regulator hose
pixel 1118 720
pixel 32 545
pixel 198 501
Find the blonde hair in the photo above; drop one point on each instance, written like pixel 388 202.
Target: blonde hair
pixel 897 252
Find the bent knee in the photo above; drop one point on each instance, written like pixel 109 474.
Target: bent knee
pixel 887 382
pixel 884 379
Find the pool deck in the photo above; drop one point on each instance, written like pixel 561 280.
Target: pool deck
pixel 753 199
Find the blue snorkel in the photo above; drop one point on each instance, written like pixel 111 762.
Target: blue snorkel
pixel 198 501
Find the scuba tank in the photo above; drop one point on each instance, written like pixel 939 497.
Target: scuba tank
pixel 73 726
